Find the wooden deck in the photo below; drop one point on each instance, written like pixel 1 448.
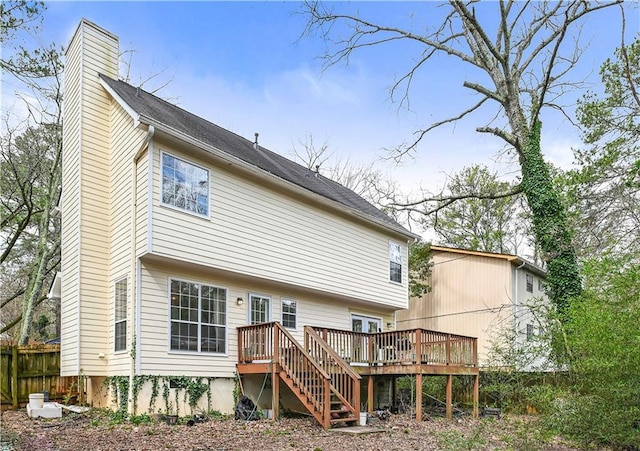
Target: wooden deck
pixel 353 356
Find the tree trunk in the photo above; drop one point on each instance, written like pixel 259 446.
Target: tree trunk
pixel 549 224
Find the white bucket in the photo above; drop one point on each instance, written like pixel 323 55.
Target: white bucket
pixel 363 418
pixel 36 400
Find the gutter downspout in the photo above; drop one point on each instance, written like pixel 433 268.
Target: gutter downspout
pixel 135 268
pixel 515 301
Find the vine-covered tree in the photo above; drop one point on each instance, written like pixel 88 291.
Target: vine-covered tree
pixel 521 53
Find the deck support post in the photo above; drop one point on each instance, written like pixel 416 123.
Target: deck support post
pixel 370 394
pixel 419 396
pixel 275 376
pixel 449 395
pixel 394 391
pixel 476 391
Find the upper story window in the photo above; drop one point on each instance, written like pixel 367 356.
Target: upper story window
pixel 529 283
pixel 185 185
pixel 540 284
pixel 198 317
pixel 395 262
pixel 289 313
pixel 120 329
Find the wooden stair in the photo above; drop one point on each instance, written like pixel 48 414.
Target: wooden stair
pixel 340 415
pixel 325 385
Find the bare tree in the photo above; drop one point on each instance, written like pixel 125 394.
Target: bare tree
pixel 519 51
pixel 366 179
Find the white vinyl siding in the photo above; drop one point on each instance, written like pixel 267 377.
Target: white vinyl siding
pixel 259 231
pixel 157 358
pixel 87 137
pixel 70 205
pixel 99 144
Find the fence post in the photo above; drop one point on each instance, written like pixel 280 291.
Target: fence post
pixel 14 377
pixel 448 349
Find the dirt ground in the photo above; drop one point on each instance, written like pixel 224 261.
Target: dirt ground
pixel 93 431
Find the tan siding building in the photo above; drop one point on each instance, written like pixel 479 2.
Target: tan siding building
pixel 477 294
pixel 176 232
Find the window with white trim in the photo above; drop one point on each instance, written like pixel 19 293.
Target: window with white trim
pixel 529 283
pixel 289 313
pixel 540 284
pixel 395 262
pixel 120 315
pixel 530 331
pixel 185 185
pixel 198 317
pixel 259 309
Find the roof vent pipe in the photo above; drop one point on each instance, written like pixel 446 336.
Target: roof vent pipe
pixel 138 91
pixel 255 143
pixel 317 171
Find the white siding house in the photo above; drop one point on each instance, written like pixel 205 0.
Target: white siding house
pixel 176 232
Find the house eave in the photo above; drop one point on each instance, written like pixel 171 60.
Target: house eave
pixel 125 106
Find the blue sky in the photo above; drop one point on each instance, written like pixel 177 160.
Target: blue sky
pixel 243 66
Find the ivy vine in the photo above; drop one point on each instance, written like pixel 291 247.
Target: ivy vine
pixel 550 224
pixel 192 390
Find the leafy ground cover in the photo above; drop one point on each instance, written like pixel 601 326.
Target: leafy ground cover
pixel 101 430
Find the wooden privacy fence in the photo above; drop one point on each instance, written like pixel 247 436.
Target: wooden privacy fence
pixel 32 369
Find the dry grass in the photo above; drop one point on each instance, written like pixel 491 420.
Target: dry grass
pixel 94 431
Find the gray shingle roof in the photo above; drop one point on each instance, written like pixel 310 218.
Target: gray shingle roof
pixel 158 111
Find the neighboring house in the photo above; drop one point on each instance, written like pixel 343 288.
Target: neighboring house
pixel 479 294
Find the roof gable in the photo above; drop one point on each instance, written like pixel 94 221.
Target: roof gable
pixel 153 110
pixel 514 259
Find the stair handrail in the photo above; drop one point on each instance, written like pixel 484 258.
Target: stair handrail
pixel 320 398
pixel 350 399
pixel 309 331
pixel 300 348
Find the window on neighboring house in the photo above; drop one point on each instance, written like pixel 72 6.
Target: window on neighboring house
pixel 540 284
pixel 289 313
pixel 395 262
pixel 529 283
pixel 185 185
pixel 259 309
pixel 198 317
pixel 530 331
pixel 120 334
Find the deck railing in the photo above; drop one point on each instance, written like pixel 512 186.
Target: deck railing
pixel 344 381
pixel 402 347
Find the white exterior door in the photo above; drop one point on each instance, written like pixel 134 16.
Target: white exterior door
pixel 365 324
pixel 360 351
pixel 259 309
